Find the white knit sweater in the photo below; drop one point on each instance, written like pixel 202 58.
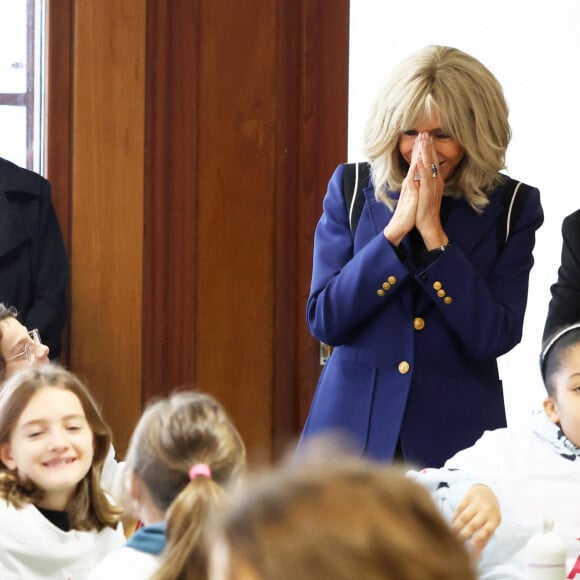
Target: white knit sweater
pixel 32 547
pixel 535 474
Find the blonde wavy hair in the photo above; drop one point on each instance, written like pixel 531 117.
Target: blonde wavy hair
pixel 472 110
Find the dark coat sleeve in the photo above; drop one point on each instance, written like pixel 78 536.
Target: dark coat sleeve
pixel 48 306
pixel 33 261
pixel 564 307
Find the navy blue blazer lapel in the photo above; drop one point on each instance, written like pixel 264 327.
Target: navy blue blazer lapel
pixel 378 213
pixel 466 227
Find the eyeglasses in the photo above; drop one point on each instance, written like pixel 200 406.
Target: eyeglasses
pixel 29 350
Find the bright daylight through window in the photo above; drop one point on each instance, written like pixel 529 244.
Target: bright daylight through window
pixel 21 82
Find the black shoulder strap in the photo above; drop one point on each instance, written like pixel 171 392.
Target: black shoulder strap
pixel 513 204
pixel 355 178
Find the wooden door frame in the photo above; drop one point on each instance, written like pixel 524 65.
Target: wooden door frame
pixel 311 139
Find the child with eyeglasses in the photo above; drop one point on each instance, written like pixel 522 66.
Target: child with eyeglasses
pixel 19 347
pixel 533 471
pixel 56 521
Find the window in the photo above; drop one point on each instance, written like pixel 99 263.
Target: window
pixel 21 81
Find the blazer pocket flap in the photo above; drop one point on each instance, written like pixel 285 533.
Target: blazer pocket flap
pixel 343 401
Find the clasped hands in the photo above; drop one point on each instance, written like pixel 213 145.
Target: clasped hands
pixel 419 203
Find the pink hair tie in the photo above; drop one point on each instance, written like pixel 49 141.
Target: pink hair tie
pixel 199 469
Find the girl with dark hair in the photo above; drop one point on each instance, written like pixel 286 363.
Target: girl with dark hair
pixel 535 470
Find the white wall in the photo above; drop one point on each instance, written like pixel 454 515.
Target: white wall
pixel 532 47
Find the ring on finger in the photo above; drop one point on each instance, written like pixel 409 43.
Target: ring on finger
pixel 434 170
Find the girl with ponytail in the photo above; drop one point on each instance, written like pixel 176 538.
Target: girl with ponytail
pixel 183 454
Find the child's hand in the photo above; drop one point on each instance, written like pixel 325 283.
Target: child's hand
pixel 477 517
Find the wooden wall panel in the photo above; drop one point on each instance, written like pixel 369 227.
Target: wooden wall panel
pixel 170 197
pixel 289 89
pixel 311 105
pixel 324 123
pixel 208 303
pixel 59 120
pixel 107 204
pixel 234 287
pixel 199 143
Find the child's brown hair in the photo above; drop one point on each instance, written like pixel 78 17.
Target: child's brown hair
pixel 349 519
pixel 174 435
pixel 89 508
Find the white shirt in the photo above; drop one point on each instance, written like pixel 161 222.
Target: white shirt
pixel 113 475
pixel 126 563
pixel 533 482
pixel 32 547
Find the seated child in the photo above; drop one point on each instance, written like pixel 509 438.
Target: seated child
pixel 341 519
pixel 21 348
pixel 182 455
pixel 55 520
pixel 534 472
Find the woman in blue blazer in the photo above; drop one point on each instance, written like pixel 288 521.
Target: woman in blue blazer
pixel 432 286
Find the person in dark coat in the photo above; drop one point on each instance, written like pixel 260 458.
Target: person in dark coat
pixel 564 307
pixel 33 260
